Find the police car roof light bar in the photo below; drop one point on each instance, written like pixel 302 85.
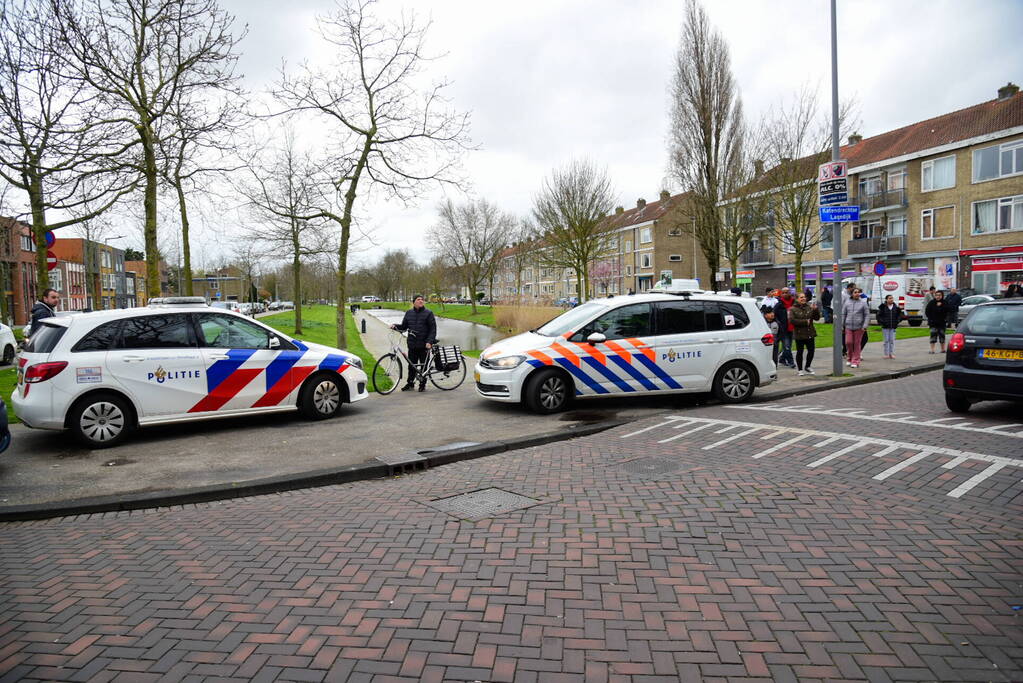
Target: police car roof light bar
pixel 177 301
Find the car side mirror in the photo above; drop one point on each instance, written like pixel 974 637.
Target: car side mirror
pixel 596 338
pixel 275 343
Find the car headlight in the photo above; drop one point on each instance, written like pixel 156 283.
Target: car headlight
pixel 356 361
pixel 505 362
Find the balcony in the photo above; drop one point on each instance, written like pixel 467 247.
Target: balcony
pixel 870 246
pixel 886 199
pixel 757 257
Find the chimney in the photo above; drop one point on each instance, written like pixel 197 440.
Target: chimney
pixel 758 167
pixel 619 209
pixel 640 203
pixel 1007 91
pixel 855 138
pixel 665 195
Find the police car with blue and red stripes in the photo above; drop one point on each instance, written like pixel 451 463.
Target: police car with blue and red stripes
pixel 668 341
pixel 101 374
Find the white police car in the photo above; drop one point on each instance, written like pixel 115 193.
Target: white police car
pixel 637 344
pixel 101 374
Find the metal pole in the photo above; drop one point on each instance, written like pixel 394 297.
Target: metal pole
pixel 836 228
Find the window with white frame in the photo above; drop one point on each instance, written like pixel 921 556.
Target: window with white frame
pixel 646 260
pixel 628 270
pixel 628 246
pixel 870 185
pixel 788 242
pixel 938 174
pixel 646 235
pixel 927 224
pixel 897 179
pixel 996 215
pixel 105 259
pixel 897 226
pixel 55 279
pixel 827 240
pixel 998 161
pixel 27 243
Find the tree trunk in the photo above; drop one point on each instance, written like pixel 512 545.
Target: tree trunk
pixel 38 206
pixel 472 295
pixel 798 272
pixel 296 276
pixel 186 252
pixel 346 234
pixel 149 230
pixel 733 263
pixel 5 313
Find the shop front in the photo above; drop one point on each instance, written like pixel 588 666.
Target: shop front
pixel 991 271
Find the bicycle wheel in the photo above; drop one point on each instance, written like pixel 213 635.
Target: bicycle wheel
pixel 446 381
pixel 387 373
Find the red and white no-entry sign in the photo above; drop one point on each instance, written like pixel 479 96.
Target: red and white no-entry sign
pixel 51 260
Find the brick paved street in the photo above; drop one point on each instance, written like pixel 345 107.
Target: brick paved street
pixel 719 543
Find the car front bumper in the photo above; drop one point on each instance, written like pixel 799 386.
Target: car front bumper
pixel 358 383
pixel 501 385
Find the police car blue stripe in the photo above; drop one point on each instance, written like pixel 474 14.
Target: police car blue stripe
pixel 223 369
pixel 280 365
pixel 636 374
pixel 665 377
pixel 535 363
pixel 603 369
pixel 333 361
pixel 300 345
pixel 579 374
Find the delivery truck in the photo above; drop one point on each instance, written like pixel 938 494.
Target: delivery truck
pixel 908 289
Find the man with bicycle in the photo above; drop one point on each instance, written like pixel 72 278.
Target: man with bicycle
pixel 421 325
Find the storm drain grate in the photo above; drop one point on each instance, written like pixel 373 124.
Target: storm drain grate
pixel 651 466
pixel 399 463
pixel 483 503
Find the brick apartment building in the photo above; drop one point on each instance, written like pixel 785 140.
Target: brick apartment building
pixel 103 271
pixel 942 196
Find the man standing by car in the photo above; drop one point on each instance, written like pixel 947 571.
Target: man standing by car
pixel 46 307
pixel 422 327
pixel 952 303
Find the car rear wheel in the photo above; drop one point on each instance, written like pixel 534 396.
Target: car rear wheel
pixel 322 397
pixel 916 323
pixel 100 420
pixel 734 383
pixel 547 392
pixel 956 402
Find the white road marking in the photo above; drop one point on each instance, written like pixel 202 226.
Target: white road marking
pixel 731 438
pixel 881 476
pixel 907 419
pixel 837 454
pixel 783 444
pixel 958 491
pixel 726 429
pixel 776 432
pixel 921 451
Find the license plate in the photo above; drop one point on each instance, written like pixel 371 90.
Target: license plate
pixel 1001 354
pixel 476 375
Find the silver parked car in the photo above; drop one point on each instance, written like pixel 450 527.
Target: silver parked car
pixel 970 302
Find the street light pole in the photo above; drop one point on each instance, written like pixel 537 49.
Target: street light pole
pixel 836 228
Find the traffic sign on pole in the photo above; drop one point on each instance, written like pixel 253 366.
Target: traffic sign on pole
pixel 839 214
pixel 50 238
pixel 51 260
pixel 833 183
pixel 880 269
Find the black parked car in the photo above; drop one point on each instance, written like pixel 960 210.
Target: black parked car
pixel 984 361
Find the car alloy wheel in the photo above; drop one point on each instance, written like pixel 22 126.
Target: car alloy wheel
pixel 326 397
pixel 102 421
pixel 552 392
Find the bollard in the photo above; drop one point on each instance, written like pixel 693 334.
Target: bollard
pixel 364 326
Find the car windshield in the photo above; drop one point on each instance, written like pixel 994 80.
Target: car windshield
pixel 996 319
pixel 572 319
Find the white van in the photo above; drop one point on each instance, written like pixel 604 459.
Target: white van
pixel 908 289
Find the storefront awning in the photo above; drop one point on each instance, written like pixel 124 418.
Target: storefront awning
pixel 997 263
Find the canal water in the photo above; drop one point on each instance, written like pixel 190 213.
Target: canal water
pixel 465 334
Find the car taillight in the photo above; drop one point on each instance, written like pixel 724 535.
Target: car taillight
pixel 767 339
pixel 40 372
pixel 957 343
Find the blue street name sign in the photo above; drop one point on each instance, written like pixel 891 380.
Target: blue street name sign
pixel 839 214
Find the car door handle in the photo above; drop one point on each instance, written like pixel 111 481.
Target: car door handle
pixel 220 356
pixel 132 359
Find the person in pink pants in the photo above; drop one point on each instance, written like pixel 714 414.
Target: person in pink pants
pixel 855 318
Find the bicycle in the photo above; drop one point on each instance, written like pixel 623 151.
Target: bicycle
pixel 389 368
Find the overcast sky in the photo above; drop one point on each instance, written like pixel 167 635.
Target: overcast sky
pixel 552 80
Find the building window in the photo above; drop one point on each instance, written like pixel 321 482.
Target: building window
pixel 628 270
pixel 995 215
pixel 105 259
pixel 646 235
pixel 675 257
pixel 827 240
pixel 897 179
pixel 998 161
pixel 628 246
pixel 897 226
pixel 938 174
pixel 55 280
pixel 788 244
pixel 870 185
pixel 867 229
pixel 645 260
pixel 27 243
pixel 935 223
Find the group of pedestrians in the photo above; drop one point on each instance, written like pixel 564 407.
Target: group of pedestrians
pixel 791 319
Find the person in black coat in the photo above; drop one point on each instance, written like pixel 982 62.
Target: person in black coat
pixel 422 327
pixel 937 318
pixel 826 298
pixel 46 307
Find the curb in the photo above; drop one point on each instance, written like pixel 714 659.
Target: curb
pixel 287 482
pixel 847 382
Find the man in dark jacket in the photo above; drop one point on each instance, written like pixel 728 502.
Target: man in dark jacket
pixel 781 314
pixel 422 327
pixel 937 318
pixel 46 307
pixel 826 299
pixel 953 301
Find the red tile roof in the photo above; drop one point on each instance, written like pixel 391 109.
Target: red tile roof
pixel 980 119
pixel 651 212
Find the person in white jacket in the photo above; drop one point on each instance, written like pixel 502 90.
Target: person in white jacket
pixel 855 318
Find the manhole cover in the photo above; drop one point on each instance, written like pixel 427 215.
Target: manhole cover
pixel 483 503
pixel 651 466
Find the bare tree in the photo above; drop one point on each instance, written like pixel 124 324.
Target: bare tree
pixel 391 273
pixel 470 237
pixel 706 126
pixel 570 210
pixel 147 57
pixel 797 139
pixel 54 140
pixel 383 130
pixel 280 190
